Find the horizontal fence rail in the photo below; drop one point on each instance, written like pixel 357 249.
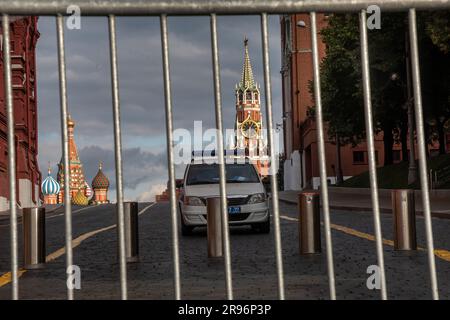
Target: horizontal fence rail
pixel 111 9
pixel 143 8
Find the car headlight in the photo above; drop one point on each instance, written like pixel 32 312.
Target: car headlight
pixel 193 201
pixel 257 198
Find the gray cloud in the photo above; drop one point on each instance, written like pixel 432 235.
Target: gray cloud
pixel 138 166
pixel 141 87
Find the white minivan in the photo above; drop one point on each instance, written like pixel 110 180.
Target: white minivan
pixel 246 196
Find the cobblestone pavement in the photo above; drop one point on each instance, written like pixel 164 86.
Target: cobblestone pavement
pixel 253 262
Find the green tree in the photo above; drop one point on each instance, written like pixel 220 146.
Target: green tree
pixel 341 77
pixel 435 73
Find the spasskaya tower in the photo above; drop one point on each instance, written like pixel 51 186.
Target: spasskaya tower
pixel 249 125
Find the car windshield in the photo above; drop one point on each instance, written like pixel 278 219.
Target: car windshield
pixel 209 174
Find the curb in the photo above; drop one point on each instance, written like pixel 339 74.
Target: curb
pixel 435 214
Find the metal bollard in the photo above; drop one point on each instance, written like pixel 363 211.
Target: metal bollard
pixel 130 210
pixel 403 209
pixel 214 228
pixel 34 237
pixel 309 222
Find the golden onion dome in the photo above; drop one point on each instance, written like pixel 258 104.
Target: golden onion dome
pixel 100 181
pixel 70 122
pixel 80 199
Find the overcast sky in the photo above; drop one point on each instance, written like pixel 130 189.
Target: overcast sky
pixel 141 89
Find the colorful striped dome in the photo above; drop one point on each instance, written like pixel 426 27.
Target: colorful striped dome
pixel 88 190
pixel 50 186
pixel 100 181
pixel 80 199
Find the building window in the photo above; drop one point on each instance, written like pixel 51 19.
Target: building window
pixel 249 96
pixel 358 157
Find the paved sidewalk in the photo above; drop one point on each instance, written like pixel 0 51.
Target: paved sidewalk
pixel 360 200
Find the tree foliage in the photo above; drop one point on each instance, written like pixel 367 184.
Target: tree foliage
pixel 341 75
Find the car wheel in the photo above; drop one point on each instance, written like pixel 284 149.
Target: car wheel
pixel 263 227
pixel 185 230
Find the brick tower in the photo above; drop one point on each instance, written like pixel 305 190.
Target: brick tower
pixel 248 126
pixel 100 184
pixel 77 179
pixel 50 189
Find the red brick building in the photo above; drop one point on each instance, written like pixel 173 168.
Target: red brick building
pixel 165 196
pixel 301 167
pixel 24 35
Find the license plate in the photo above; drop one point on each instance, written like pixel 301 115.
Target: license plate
pixel 234 210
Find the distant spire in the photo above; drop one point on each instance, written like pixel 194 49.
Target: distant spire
pixel 99 165
pixel 49 169
pixel 247 80
pixel 70 122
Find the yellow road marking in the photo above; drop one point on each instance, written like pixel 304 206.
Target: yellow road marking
pixel 7 277
pixel 359 234
pixel 440 253
pixel 288 218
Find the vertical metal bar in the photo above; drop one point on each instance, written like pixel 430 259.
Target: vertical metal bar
pixel 171 167
pixel 118 156
pixel 11 158
pixel 421 150
pixel 371 149
pixel 322 159
pixel 223 191
pixel 273 157
pixel 412 168
pixel 65 145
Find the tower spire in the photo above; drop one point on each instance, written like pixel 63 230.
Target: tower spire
pixel 247 80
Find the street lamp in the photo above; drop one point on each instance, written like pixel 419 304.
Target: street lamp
pixel 301 24
pixel 278 127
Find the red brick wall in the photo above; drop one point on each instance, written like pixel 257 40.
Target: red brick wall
pixel 24 35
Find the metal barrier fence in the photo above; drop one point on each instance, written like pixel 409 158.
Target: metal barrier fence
pixel 112 8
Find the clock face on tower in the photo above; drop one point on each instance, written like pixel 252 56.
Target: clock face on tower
pixel 249 129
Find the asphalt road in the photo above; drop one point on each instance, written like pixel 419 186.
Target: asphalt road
pixel 253 262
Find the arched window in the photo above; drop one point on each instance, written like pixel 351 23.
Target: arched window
pixel 248 96
pixel 256 96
